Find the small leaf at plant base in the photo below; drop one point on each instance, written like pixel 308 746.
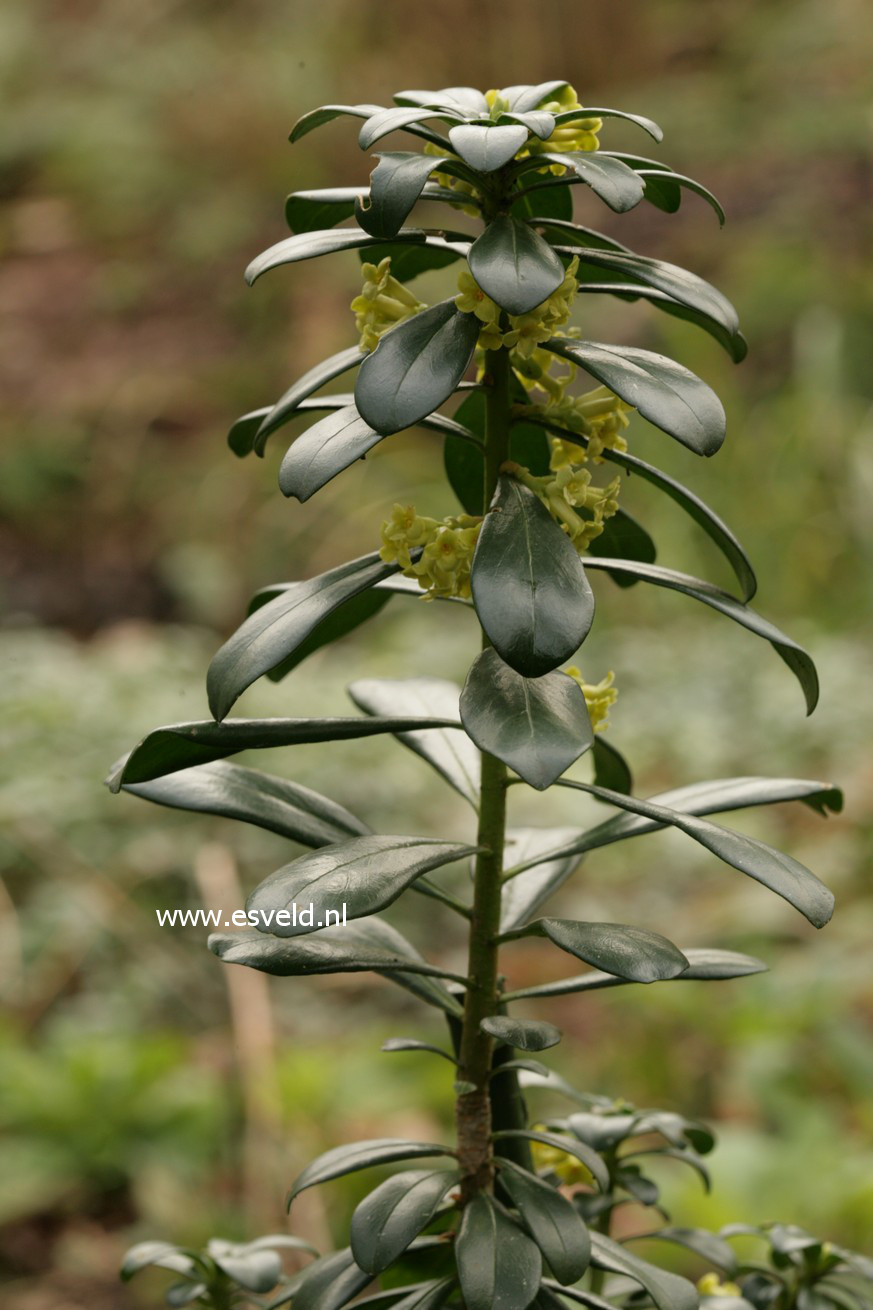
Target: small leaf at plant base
pixel 514 265
pixel 394 1213
pixel 395 185
pixel 618 948
pixel 342 1160
pixel 415 367
pixel 529 587
pixel 538 726
pixel 668 1291
pixel 363 874
pixel 448 750
pixel 668 395
pixel 274 632
pixel 268 802
pixel 524 1034
pixel 487 148
pixel 498 1264
pixel 552 1221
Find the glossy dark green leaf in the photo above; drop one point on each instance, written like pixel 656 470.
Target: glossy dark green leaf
pixel 713 1249
pixel 685 287
pixel 341 621
pixel 425 1296
pixel 362 874
pixel 797 659
pixel 464 463
pixel 514 265
pixel 466 99
pixel 310 245
pixel 348 1159
pixel 569 1145
pixel 561 231
pixel 554 202
pixel 498 1264
pixel 705 965
pixel 779 872
pixel 523 896
pixel 325 114
pixel 400 119
pixel 668 1291
pixel 552 1221
pixel 362 946
pixel 523 98
pixel 267 802
pixel 617 185
pixel 395 185
pixel 668 395
pixel 312 211
pixel 486 149
pixel 575 115
pixel 387 1220
pixel 537 121
pixel 611 769
pixel 311 381
pixel 617 948
pixel 734 344
pixel 275 631
pixel 538 726
pixel 415 367
pixel 395 1044
pixel 326 1284
pixel 523 1034
pixel 409 261
pixel 241 437
pixel 449 751
pixel 182 745
pixel 664 191
pixel 529 586
pixel 623 538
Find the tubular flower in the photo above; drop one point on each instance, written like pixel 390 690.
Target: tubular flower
pixel 581 134
pixel 446 545
pixel 383 303
pixel 598 415
pixel 599 697
pixel 711 1285
pixel 526 331
pixel 567 490
pixel 566 1167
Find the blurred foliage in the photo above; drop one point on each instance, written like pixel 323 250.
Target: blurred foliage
pixel 141 165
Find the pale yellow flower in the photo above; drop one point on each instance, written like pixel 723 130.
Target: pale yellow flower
pixel 382 304
pixel 599 697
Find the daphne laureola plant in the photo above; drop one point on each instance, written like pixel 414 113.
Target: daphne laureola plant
pixel 514 1211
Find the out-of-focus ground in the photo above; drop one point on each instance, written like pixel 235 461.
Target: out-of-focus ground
pixel 145 1089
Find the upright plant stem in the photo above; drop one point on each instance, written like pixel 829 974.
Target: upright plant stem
pixel 473 1107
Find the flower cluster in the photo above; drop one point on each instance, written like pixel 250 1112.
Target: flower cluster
pixel 526 331
pixel 568 489
pixel 599 697
pixel 598 415
pixel 578 135
pixel 383 303
pixel 446 549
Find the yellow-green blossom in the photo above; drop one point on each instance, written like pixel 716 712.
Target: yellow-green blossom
pixel 599 697
pixel 566 1167
pixel 526 331
pixel 568 489
pixel 598 415
pixel 447 545
pixel 711 1285
pixel 383 303
pixel 581 134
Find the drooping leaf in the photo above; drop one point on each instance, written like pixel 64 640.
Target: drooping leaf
pixel 713 1249
pixel 449 751
pixel 523 1034
pixel 253 797
pixel 617 948
pixel 783 874
pixel 486 149
pixel 522 99
pixel 668 1291
pixel 664 191
pixel 310 245
pixel 326 1284
pixel 552 1221
pixel 664 392
pixel 312 211
pixel 394 1044
pixel 409 261
pixel 274 631
pixel 341 621
pixel 574 115
pixel 797 659
pixel 617 185
pixel 734 344
pixel 498 1264
pixel 415 367
pixel 182 745
pixel 465 464
pixel 522 896
pixel 362 946
pixel 623 538
pixel 343 1160
pixel 387 1220
pixel 538 726
pixel 611 769
pixel 363 874
pixel 399 119
pixel 560 231
pixel 395 185
pixel 685 287
pixel 325 114
pixel 424 1296
pixel 529 586
pixel 514 265
pixel 311 381
pixel 569 1145
pixel 466 99
pixel 705 965
pixel 241 437
pixel 537 121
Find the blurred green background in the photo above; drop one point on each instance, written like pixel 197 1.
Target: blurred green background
pixel 148 1091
